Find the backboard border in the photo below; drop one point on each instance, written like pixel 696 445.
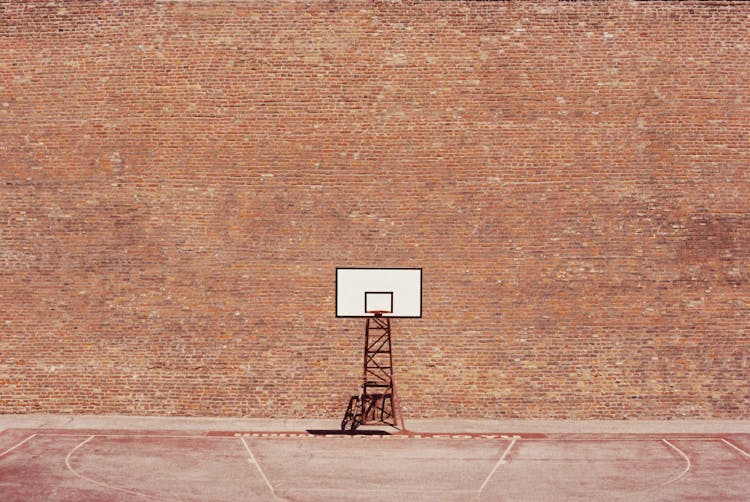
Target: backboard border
pixel 336 292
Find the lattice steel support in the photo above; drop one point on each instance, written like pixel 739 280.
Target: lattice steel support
pixel 378 401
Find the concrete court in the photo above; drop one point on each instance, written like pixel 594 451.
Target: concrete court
pixel 138 458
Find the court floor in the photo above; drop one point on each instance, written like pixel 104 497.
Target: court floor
pixel 124 465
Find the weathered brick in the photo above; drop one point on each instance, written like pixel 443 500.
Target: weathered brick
pixel 179 180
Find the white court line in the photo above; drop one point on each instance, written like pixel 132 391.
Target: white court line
pixel 713 438
pixel 500 461
pixel 16 446
pixel 625 440
pixel 257 465
pixel 743 452
pixel 99 483
pixel 385 489
pixel 687 460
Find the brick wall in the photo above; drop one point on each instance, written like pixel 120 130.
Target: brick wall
pixel 179 180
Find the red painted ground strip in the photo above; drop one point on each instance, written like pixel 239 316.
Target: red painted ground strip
pixel 280 434
pixel 399 435
pixel 389 435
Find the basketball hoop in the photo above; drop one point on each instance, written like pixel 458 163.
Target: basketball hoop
pixel 387 292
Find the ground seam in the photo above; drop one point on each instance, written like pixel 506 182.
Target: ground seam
pixel 156 436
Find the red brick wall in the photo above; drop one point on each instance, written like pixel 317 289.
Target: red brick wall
pixel 179 180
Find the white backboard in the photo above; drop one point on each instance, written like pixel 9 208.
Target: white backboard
pixel 396 289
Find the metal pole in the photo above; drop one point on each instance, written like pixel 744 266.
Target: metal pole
pixel 396 402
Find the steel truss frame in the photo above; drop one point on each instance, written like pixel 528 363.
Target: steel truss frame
pixel 377 402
